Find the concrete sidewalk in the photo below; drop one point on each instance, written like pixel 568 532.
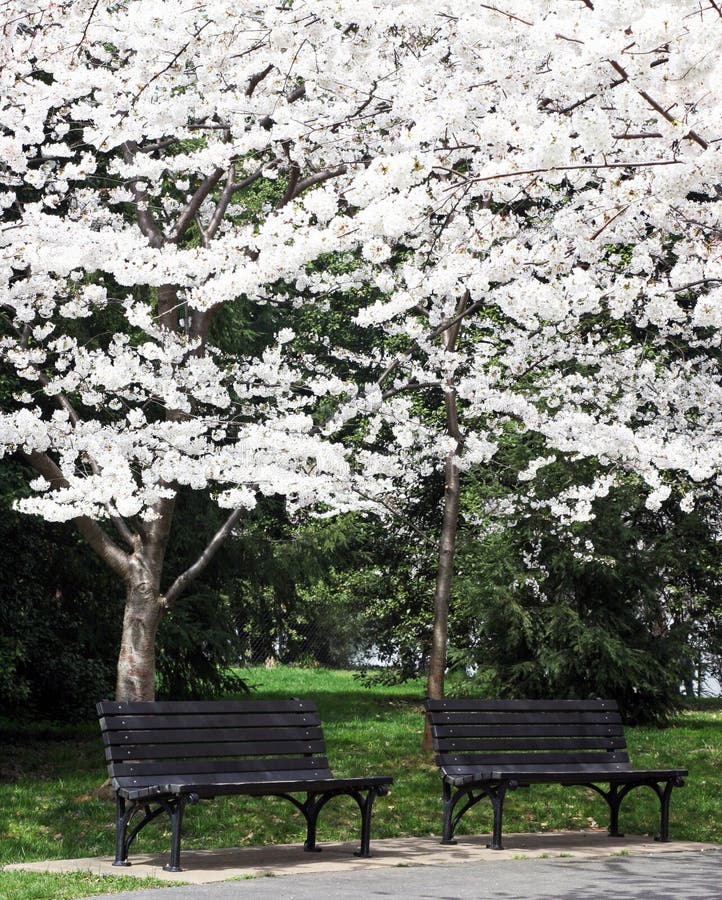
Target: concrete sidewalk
pixel 688 875
pixel 209 866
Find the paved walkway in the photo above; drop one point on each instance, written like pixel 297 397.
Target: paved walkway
pixel 562 866
pixel 680 876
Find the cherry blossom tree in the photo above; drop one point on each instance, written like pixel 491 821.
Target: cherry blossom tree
pixel 530 190
pixel 132 137
pixel 564 274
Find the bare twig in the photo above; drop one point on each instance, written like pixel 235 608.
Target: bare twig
pixel 691 134
pixel 509 15
pixel 87 26
pixel 596 234
pixel 691 284
pixel 587 167
pixel 174 59
pixel 642 135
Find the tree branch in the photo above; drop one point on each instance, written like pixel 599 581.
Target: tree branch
pixel 691 284
pixel 409 386
pixel 100 542
pixel 65 404
pixel 191 210
pixel 319 177
pixel 141 200
pixel 158 145
pixel 454 326
pixel 256 79
pixel 230 188
pixel 585 167
pixel 691 134
pixel 290 191
pixel 191 573
pixel 456 318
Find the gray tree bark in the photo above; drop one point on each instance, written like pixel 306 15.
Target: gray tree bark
pixel 449 528
pixel 136 658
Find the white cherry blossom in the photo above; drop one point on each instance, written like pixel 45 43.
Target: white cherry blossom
pixel 526 195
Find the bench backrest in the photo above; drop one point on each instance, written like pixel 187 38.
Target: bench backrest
pixel 264 739
pixel 551 734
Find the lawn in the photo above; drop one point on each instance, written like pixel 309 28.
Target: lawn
pixel 47 779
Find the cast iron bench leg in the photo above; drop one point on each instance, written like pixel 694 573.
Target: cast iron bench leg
pixel 310 809
pixel 664 797
pixel 175 809
pixel 122 817
pixel 448 829
pixel 614 800
pixel 496 795
pixel 366 807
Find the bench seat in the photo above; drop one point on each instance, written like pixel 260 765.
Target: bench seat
pixel 578 775
pixel 485 748
pixel 229 784
pixel 163 756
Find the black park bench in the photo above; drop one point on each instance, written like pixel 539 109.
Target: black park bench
pixel 163 756
pixel 485 748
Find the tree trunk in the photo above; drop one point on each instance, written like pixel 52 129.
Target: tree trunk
pixel 442 594
pixel 449 526
pixel 143 612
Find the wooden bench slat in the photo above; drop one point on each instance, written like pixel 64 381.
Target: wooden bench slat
pixel 455 704
pixel 208 720
pixel 289 785
pixel 582 774
pixel 194 777
pixel 491 769
pixel 552 717
pixel 261 787
pixel 541 758
pixel 540 730
pixel 123 769
pixel 190 735
pixel 202 707
pixel 508 729
pixel 526 743
pixel 200 751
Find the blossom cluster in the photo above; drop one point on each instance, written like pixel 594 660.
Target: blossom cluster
pixel 539 180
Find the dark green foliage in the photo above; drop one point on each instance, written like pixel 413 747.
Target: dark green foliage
pixel 197 646
pixel 197 640
pixel 593 610
pixel 59 617
pixel 286 597
pixel 61 614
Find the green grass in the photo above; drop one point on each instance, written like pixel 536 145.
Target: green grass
pixel 47 808
pixel 49 886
